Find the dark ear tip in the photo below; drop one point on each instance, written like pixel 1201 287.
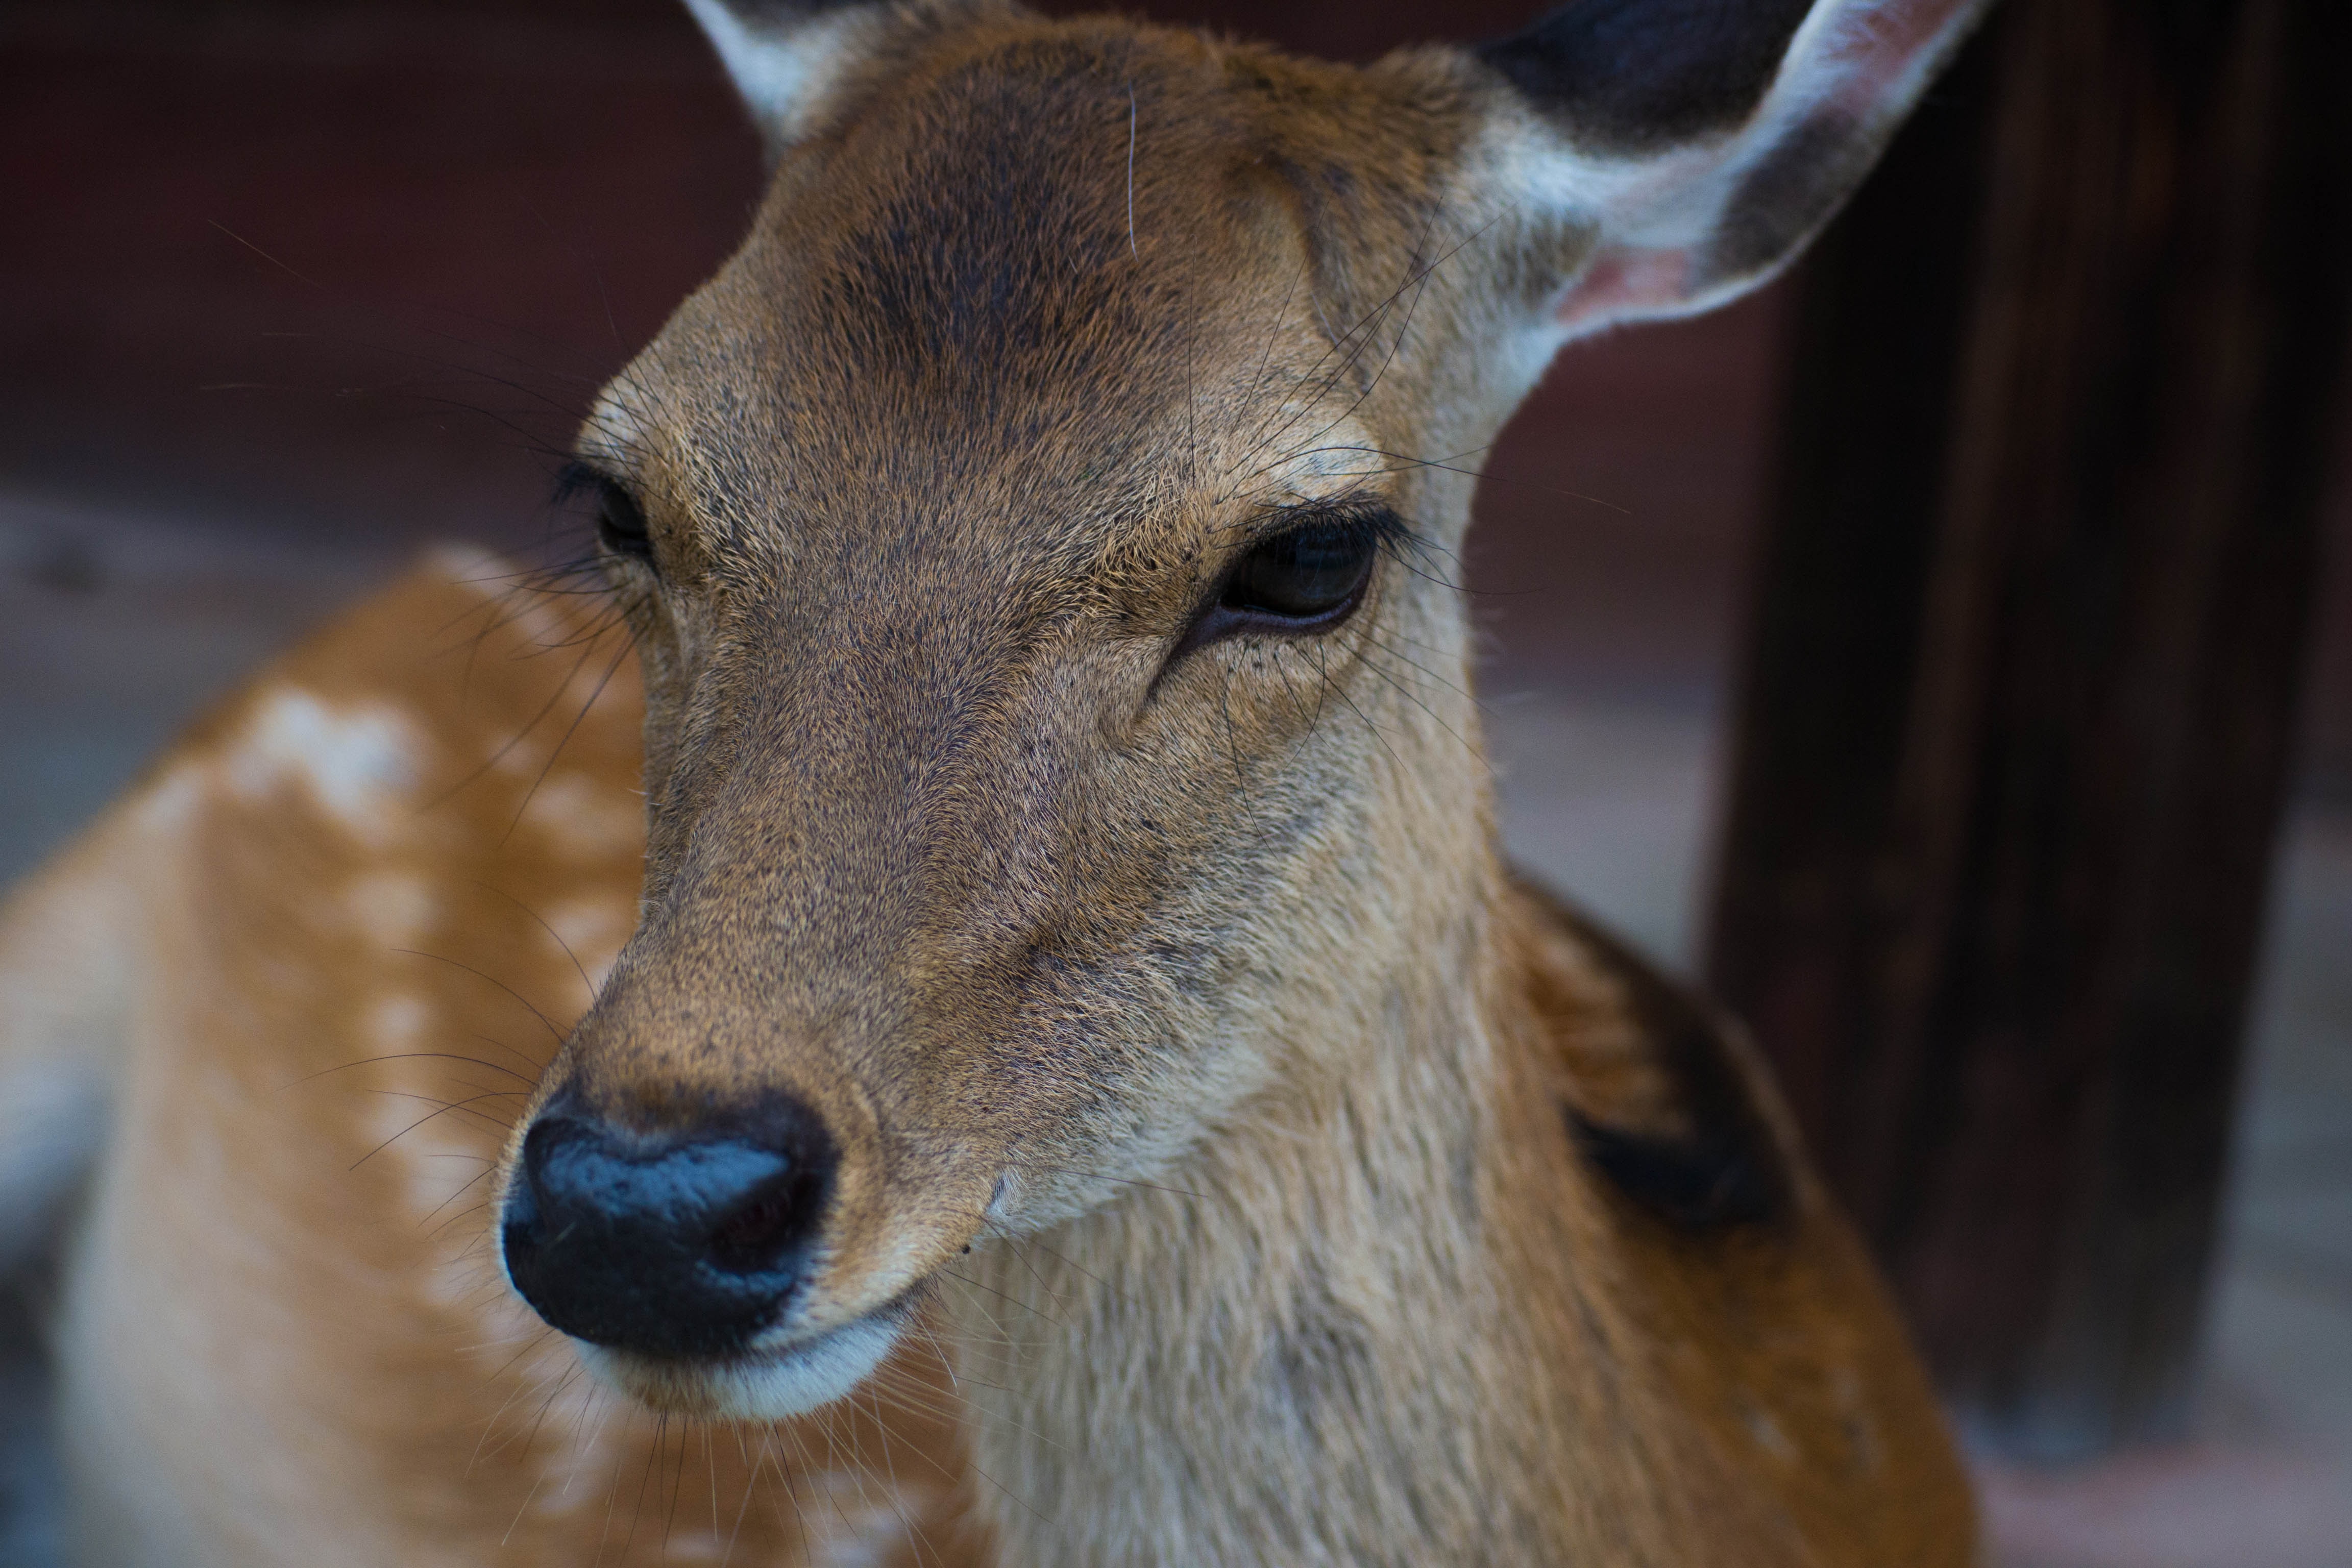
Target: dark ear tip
pixel 1633 74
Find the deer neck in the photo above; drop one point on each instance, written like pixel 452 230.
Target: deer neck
pixel 1349 1339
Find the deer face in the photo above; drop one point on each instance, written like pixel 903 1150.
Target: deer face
pixel 1038 537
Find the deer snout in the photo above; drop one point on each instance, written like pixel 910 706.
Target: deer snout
pixel 672 1243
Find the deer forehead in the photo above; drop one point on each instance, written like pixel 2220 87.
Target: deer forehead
pixel 1082 275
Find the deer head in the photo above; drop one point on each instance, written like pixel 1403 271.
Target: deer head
pixel 1038 537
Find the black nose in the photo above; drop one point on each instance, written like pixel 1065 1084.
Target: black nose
pixel 667 1243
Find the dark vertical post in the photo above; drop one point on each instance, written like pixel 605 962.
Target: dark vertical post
pixel 2030 624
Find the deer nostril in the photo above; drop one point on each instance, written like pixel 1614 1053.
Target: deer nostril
pixel 674 1244
pixel 749 1238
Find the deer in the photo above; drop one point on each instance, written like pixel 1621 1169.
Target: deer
pixel 957 1000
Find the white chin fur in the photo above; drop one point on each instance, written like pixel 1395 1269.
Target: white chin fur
pixel 757 1386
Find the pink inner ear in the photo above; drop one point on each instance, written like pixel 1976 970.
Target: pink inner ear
pixel 1625 282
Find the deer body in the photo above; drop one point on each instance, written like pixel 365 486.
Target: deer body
pixel 1081 1086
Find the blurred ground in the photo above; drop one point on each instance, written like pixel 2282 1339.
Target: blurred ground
pixel 474 209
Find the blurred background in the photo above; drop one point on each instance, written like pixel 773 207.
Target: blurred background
pixel 290 288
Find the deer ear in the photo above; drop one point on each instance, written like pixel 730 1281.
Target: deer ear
pixel 1692 147
pixel 786 56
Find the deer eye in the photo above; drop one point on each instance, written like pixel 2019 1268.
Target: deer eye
pixel 1309 573
pixel 621 524
pixel 620 521
pixel 1307 578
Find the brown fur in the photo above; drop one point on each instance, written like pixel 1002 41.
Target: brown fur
pixel 1186 994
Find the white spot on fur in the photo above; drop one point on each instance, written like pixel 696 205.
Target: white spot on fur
pixel 411 1140
pixel 438 1155
pixel 392 907
pixel 594 930
pixel 398 1022
pixel 531 619
pixel 862 1529
pixel 580 818
pixel 387 1128
pixel 356 762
